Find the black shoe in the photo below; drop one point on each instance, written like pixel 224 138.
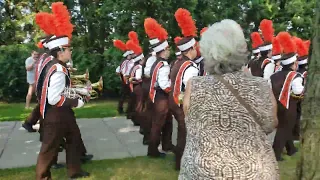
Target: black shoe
pixel 28 127
pixel 145 142
pixel 135 123
pixel 60 149
pixel 57 166
pixel 280 159
pixel 120 111
pixel 160 155
pixel 80 175
pixel 292 153
pixel 86 158
pixel 141 131
pixel 171 148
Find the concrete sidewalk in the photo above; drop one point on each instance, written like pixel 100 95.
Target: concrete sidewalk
pixel 105 138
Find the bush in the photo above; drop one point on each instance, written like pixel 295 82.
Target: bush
pixel 13 83
pixel 100 65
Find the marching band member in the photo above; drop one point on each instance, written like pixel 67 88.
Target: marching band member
pixel 121 70
pixel 276 54
pixel 302 51
pixel 152 29
pixel 264 66
pixel 55 107
pixel 256 43
pixel 288 89
pixel 199 60
pixel 135 81
pixel 178 52
pixel 181 72
pixel 34 116
pixel 160 87
pixel 133 36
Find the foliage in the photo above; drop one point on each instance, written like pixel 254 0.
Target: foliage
pixel 13 83
pixel 98 23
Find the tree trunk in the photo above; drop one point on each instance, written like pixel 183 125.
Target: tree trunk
pixel 308 168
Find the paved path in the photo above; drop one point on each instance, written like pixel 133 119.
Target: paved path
pixel 105 138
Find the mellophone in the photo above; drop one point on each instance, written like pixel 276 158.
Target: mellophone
pixel 82 88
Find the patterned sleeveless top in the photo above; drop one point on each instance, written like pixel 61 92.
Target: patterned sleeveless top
pixel 223 139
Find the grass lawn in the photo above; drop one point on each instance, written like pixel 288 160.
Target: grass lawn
pixel 139 168
pixel 94 109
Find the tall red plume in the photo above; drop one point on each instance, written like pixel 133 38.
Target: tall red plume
pixel 185 22
pixel 177 39
pixel 267 30
pixel 256 40
pixel 276 46
pixel 301 48
pixel 307 44
pixel 134 37
pixel 286 42
pixel 120 45
pixel 203 30
pixel 63 26
pixel 134 47
pixel 154 29
pixel 40 45
pixel 45 21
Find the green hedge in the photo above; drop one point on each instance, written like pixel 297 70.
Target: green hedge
pixel 13 84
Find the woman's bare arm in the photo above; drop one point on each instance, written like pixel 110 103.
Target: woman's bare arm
pixel 186 98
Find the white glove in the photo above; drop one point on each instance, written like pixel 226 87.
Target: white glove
pixel 80 103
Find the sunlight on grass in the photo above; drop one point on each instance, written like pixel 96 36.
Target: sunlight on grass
pixel 131 168
pixel 93 109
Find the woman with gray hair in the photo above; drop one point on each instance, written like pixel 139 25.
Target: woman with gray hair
pixel 228 114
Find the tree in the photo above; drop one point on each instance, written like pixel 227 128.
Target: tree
pixel 309 166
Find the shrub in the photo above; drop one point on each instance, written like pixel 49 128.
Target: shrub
pixel 13 83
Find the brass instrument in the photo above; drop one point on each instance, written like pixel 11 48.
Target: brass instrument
pixel 80 79
pixel 82 86
pixel 98 85
pixel 78 93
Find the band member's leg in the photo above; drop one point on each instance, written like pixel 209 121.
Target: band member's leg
pixel 279 142
pixel 181 139
pixel 122 97
pixel 74 146
pixel 147 121
pixel 160 111
pixel 166 137
pixel 291 149
pixel 51 140
pixel 131 108
pixel 296 130
pixel 146 112
pixel 138 105
pixel 32 119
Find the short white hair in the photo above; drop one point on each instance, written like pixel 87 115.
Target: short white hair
pixel 224 47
